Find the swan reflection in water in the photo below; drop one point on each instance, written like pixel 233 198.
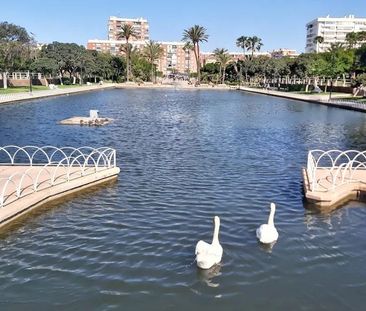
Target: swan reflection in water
pixel 207 275
pixel 267 247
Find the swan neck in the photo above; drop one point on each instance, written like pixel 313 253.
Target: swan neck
pixel 271 217
pixel 215 238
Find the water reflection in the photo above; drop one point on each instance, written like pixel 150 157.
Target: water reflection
pixel 267 247
pixel 185 156
pixel 207 275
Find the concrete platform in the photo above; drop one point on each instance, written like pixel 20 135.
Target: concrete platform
pixel 326 194
pixel 51 183
pixel 86 121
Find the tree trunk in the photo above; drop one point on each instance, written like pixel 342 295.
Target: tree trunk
pixel 223 74
pixel 5 80
pixel 152 73
pixel 127 61
pixel 220 74
pixel 196 55
pixel 330 89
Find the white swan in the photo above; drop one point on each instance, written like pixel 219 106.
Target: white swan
pixel 267 233
pixel 208 255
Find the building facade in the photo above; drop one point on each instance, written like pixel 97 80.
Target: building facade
pixel 332 30
pixel 174 59
pixel 140 25
pixel 280 53
pixel 209 57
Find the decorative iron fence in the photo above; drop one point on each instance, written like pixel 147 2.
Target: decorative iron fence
pixel 48 166
pixel 340 167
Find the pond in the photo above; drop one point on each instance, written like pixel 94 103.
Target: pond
pixel 186 156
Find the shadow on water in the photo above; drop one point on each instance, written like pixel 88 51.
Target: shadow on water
pixel 50 207
pixel 312 208
pixel 267 247
pixel 207 275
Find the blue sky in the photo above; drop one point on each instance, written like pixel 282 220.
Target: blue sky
pixel 280 23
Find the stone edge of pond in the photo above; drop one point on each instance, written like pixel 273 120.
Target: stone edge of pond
pixel 303 98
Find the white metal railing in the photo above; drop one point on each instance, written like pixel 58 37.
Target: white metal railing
pixel 48 166
pixel 333 168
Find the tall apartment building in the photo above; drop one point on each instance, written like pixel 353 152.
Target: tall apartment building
pixel 140 25
pixel 173 59
pixel 176 59
pixel 332 29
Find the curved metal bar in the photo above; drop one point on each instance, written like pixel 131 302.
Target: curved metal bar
pixel 10 179
pixel 344 164
pixel 8 154
pixel 83 158
pixel 25 174
pixel 16 152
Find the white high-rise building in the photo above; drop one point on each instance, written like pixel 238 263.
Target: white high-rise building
pixel 332 29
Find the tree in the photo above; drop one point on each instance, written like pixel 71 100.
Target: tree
pixel 188 47
pixel 318 40
pixel 351 39
pixel 118 64
pixel 223 58
pixel 254 44
pixel 45 66
pixel 152 51
pixel 243 43
pixel 15 47
pixel 337 61
pixel 141 67
pixel 195 35
pixel 68 56
pixel 127 32
pixel 360 58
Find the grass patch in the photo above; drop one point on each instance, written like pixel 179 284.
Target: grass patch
pixel 35 88
pixel 22 89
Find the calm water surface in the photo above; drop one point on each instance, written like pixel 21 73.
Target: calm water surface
pixel 186 156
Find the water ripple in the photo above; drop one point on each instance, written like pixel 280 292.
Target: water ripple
pixel 186 156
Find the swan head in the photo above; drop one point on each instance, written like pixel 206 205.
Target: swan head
pixel 273 207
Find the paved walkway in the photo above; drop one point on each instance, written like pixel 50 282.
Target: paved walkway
pixel 318 99
pixel 14 97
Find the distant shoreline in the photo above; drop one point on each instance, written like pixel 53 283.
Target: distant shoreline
pixel 20 97
pixel 316 99
pixel 25 96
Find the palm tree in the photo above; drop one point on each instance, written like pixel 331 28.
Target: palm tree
pixel 254 44
pixel 223 58
pixel 242 42
pixel 318 40
pixel 127 32
pixel 152 51
pixel 188 47
pixel 195 35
